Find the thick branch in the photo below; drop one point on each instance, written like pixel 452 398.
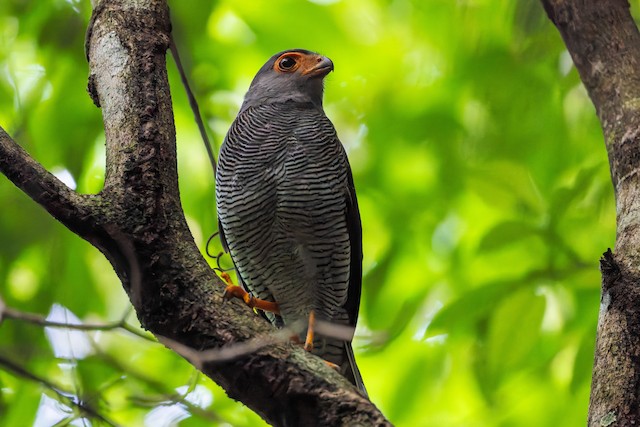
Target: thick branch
pixel 141 229
pixel 70 208
pixel 604 43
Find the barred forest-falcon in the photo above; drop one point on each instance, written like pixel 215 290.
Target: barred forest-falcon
pixel 287 206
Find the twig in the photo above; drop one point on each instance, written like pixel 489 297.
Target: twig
pixel 22 372
pixel 73 210
pixel 165 393
pixel 7 312
pixel 225 354
pixel 194 105
pixel 240 349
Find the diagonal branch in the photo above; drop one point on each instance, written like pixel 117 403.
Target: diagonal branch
pixel 70 208
pixel 84 408
pixel 7 312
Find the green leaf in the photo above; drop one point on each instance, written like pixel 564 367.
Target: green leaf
pixel 514 330
pixel 505 234
pixel 467 309
pixel 563 197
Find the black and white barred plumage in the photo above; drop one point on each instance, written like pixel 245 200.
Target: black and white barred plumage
pixel 287 206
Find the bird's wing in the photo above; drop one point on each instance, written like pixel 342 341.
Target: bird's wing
pixel 354 227
pixel 223 240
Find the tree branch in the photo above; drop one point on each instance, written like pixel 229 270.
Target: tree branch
pixel 7 312
pixel 84 408
pixel 604 42
pixel 138 223
pixel 70 208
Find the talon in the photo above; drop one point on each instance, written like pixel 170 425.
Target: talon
pixel 229 291
pixel 227 279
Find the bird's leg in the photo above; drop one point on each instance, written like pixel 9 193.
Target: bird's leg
pixel 308 342
pixel 233 291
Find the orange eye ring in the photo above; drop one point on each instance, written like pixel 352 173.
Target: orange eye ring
pixel 287 64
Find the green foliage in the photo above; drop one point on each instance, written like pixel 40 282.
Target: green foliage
pixel 482 179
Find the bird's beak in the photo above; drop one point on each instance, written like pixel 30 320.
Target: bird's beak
pixel 320 68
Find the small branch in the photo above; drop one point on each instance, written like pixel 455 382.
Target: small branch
pixel 193 103
pixel 63 395
pixel 199 358
pixel 233 351
pixel 70 208
pixel 178 398
pixel 37 319
pixel 164 395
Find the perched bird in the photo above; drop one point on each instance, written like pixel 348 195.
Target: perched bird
pixel 287 207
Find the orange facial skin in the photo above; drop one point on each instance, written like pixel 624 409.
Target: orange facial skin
pixel 307 64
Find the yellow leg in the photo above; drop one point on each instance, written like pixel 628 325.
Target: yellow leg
pixel 308 343
pixel 233 291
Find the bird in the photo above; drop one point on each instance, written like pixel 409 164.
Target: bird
pixel 287 208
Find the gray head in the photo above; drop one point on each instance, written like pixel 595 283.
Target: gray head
pixel 292 75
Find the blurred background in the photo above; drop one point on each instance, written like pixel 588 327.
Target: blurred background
pixel 483 185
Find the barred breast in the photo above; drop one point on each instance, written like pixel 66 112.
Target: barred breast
pixel 282 191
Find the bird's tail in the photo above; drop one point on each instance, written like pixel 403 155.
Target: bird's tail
pixel 352 373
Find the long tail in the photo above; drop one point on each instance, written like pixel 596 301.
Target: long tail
pixel 351 371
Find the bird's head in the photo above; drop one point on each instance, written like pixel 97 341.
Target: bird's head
pixel 293 75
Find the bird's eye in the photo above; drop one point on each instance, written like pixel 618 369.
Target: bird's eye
pixel 287 63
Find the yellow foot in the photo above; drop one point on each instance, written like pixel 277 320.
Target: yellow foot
pixel 232 291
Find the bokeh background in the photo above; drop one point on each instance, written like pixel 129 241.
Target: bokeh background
pixel 483 185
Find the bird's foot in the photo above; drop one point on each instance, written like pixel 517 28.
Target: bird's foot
pixel 233 291
pixel 227 279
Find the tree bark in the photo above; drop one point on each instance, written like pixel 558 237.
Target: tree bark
pixel 137 222
pixel 604 42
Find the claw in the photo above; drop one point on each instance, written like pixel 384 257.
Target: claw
pixel 227 279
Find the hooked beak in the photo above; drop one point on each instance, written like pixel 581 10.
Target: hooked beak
pixel 321 68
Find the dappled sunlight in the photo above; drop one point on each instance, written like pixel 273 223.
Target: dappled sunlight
pixel 65 176
pixel 53 412
pixel 171 413
pixel 483 187
pixel 66 343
